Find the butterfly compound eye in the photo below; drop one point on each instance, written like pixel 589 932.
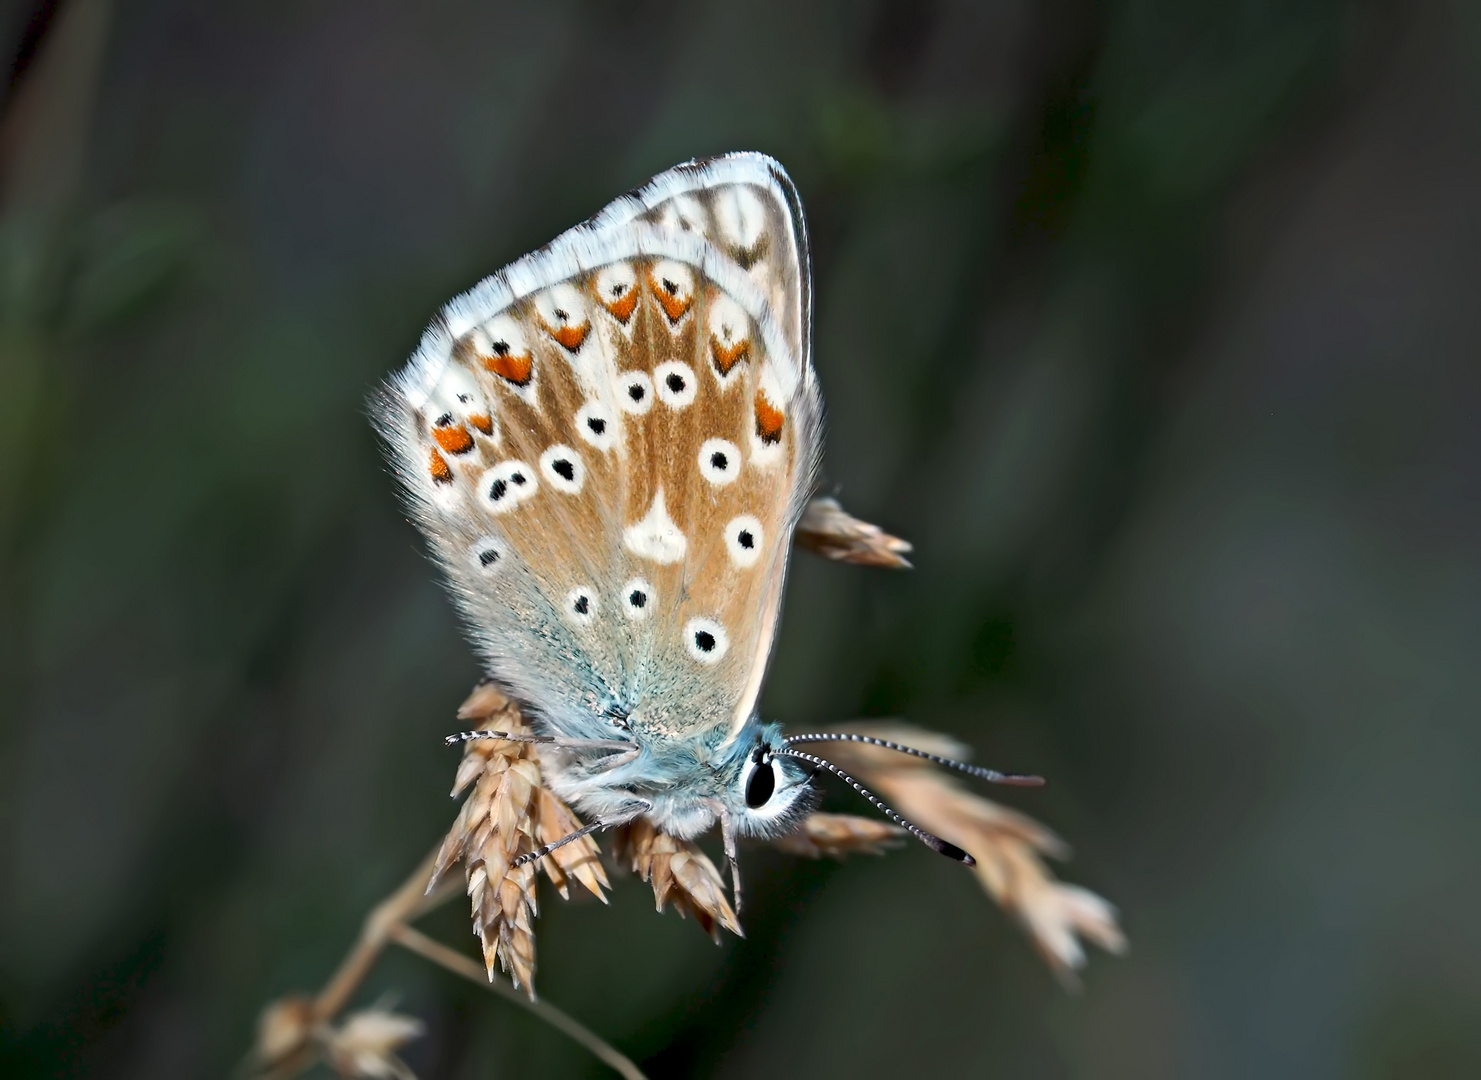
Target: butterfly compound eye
pixel 761 784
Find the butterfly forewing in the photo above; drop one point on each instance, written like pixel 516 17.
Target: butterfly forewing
pixel 608 446
pixel 744 205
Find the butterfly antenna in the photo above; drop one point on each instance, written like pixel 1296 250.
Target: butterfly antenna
pixel 992 776
pixel 935 843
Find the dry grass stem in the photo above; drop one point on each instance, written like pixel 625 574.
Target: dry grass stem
pixel 459 964
pixel 296 1032
pixel 837 835
pixel 831 531
pixel 1009 847
pixel 679 871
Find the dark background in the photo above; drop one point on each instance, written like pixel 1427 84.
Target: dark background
pixel 1155 325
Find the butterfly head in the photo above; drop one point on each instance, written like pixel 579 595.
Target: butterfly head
pixel 746 785
pixel 767 793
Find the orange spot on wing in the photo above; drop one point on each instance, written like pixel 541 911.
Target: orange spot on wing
pixel 622 307
pixel 727 357
pixel 570 337
pixel 442 473
pixel 509 366
pixel 673 302
pixel 769 420
pixel 483 422
pixel 454 439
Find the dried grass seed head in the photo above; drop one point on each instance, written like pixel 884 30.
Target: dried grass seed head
pixel 1009 847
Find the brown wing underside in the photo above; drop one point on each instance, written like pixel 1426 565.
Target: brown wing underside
pixel 607 468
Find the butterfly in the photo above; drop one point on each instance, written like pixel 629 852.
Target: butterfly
pixel 608 445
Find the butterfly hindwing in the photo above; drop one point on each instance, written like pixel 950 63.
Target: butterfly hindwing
pixel 608 445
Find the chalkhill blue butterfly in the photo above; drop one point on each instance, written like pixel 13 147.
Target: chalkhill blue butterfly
pixel 608 445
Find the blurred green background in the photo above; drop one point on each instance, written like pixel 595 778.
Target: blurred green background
pixel 1156 326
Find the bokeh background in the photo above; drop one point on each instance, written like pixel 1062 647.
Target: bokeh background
pixel 1155 325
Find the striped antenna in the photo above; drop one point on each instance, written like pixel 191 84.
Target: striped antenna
pixel 935 843
pixel 992 776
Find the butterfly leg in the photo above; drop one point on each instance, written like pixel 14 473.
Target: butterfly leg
pixel 626 756
pixel 541 852
pixel 585 830
pixel 544 740
pixel 727 836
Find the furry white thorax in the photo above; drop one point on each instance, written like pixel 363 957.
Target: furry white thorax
pixel 677 814
pixel 685 804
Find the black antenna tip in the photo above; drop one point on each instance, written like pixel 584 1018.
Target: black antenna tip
pixel 951 851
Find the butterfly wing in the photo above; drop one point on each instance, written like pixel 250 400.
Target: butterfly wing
pixel 608 445
pixel 745 205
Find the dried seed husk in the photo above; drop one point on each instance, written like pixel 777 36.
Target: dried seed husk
pixel 838 835
pixel 832 532
pixel 486 700
pixel 508 813
pixel 1009 846
pixel 365 1044
pixel 680 873
pixel 283 1028
pixel 580 859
